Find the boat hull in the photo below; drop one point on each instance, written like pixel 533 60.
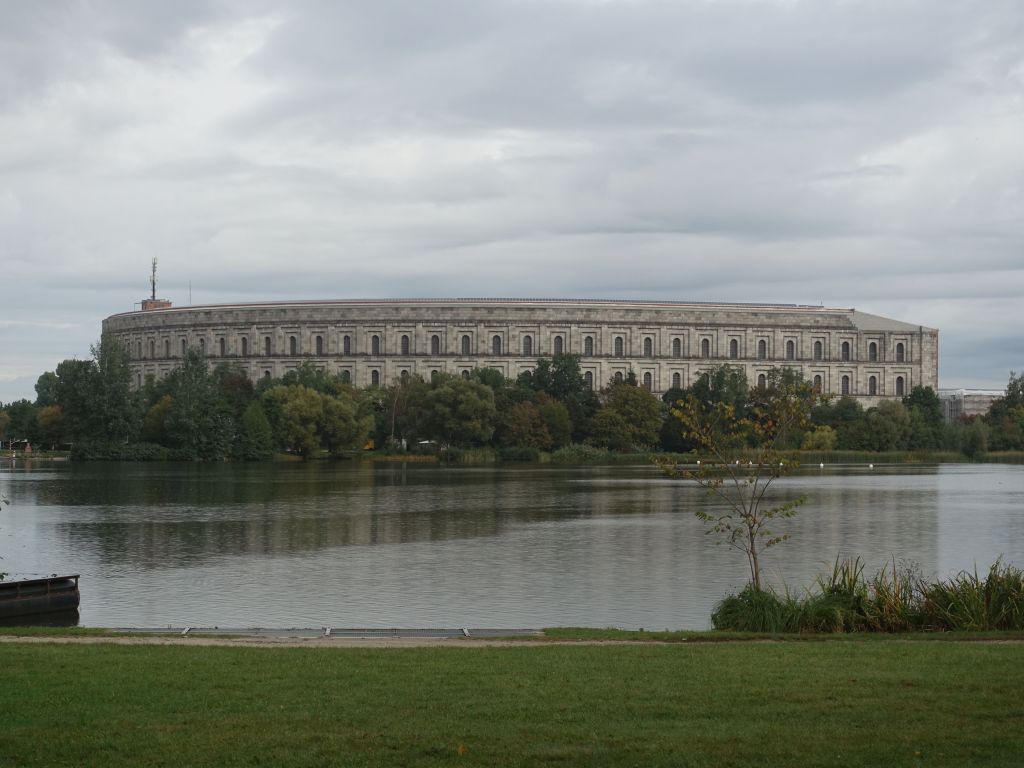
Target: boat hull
pixel 34 596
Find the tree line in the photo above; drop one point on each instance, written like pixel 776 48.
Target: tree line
pixel 209 412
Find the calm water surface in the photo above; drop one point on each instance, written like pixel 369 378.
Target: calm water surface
pixel 346 545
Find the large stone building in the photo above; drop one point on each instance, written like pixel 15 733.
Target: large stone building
pixel 665 344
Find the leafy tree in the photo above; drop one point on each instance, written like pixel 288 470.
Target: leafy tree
pixel 629 418
pixel 556 418
pixel 561 378
pixel 46 389
pixel 154 423
pixel 739 477
pixel 342 426
pixel 198 423
pixel 927 427
pixel 522 426
pixel 23 421
pixel 51 424
pixel 5 423
pixel 115 410
pixel 74 394
pixel 820 438
pixel 888 427
pixel 1005 417
pixel 256 441
pixel 457 411
pixel 299 411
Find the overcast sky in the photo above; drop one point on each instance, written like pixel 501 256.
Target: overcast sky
pixel 856 154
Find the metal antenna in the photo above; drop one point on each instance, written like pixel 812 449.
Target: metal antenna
pixel 152 280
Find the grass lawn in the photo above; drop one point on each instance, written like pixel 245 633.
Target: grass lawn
pixel 895 703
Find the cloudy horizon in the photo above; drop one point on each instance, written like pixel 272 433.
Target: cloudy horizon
pixel 851 154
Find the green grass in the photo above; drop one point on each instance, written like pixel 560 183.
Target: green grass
pixel 721 704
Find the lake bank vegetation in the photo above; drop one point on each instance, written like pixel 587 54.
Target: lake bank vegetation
pixel 204 412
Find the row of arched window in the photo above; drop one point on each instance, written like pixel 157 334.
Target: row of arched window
pixel 526 347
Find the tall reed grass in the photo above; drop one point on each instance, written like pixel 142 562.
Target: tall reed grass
pixel 894 599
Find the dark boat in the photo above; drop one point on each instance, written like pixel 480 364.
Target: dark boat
pixel 32 596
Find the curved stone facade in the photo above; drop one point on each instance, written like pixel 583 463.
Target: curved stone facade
pixel 666 344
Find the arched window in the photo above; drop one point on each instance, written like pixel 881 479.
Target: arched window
pixel 527 345
pixel 245 347
pixel 404 376
pixel 223 346
pixel 588 379
pixel 872 352
pixel 434 374
pixel 465 374
pixel 375 346
pixel 899 386
pixel 496 345
pixel 435 345
pixel 293 345
pixel 705 347
pixel 817 350
pixel 266 374
pixel 558 345
pixel 152 348
pixel 790 350
pixel 184 347
pixel 734 348
pixel 900 352
pixel 202 346
pixel 762 349
pixel 405 344
pixel 618 346
pixel 138 350
pixel 846 385
pixel 346 377
pixel 648 347
pixel 465 345
pixel 268 347
pixel 817 385
pixel 167 347
pixel 872 385
pixel 677 347
pixel 762 382
pixel 648 381
pixel 319 345
pixel 846 350
pixel 375 377
pixel 618 377
pixel 588 347
pixel 677 381
pixel 346 345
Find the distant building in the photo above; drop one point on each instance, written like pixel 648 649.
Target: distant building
pixel 666 344
pixel 960 403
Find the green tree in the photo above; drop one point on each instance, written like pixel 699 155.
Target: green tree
pixel 521 425
pixel 629 418
pixel 116 412
pixel 1005 418
pixel 51 425
pixel 74 394
pixel 23 421
pixel 343 427
pixel 46 389
pixel 457 411
pixel 199 422
pixel 257 440
pixel 739 476
pixel 154 423
pixel 927 427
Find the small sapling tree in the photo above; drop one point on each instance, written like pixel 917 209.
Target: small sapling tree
pixel 743 457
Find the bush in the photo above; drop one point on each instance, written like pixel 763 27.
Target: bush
pixel 103 451
pixel 893 600
pixel 519 453
pixel 578 453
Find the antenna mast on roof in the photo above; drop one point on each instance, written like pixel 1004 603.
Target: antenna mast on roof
pixel 152 280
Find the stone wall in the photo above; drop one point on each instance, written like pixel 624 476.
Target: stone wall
pixel 665 344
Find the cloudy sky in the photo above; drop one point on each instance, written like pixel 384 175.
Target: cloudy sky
pixel 855 154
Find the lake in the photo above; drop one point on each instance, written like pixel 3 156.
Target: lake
pixel 410 545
